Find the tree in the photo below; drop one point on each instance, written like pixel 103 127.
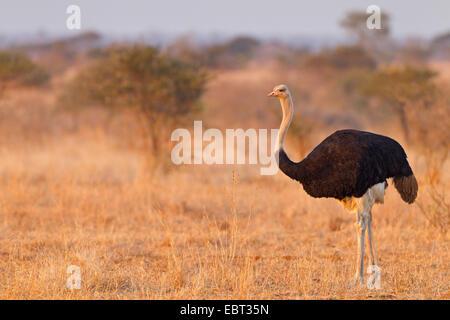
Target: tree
pixel 161 90
pixel 402 89
pixel 374 41
pixel 356 23
pixel 342 70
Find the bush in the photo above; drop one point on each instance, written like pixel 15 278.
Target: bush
pixel 338 60
pixel 17 68
pixel 232 54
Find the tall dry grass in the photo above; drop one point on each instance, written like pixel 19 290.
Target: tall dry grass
pixel 76 196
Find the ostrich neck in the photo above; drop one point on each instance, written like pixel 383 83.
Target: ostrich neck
pixel 294 170
pixel 288 112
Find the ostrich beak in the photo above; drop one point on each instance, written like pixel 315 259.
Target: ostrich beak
pixel 272 94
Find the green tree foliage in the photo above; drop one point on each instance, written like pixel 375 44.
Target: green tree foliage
pixel 162 90
pixel 17 69
pixel 402 89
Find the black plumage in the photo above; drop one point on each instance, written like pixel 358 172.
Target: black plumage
pixel 349 162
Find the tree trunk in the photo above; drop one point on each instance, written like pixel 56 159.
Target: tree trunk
pixel 404 123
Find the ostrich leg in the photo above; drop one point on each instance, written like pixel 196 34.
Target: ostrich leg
pixel 373 256
pixel 360 235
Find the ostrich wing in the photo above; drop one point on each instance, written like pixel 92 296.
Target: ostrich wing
pixel 347 163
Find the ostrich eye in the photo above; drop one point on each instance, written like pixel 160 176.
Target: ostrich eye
pixel 282 90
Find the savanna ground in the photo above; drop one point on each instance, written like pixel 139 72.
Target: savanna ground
pixel 72 194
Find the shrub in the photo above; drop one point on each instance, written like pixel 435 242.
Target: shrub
pixel 338 60
pixel 17 68
pixel 232 54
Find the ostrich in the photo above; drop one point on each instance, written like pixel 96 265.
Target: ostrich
pixel 351 166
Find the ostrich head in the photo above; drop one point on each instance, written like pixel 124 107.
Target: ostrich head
pixel 280 91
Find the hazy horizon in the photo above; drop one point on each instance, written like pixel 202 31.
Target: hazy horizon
pixel 266 19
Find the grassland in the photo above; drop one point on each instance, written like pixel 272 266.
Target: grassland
pixel 71 194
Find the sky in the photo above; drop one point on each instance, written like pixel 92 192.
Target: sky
pixel 262 18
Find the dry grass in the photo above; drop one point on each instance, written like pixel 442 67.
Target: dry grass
pixel 193 234
pixel 80 198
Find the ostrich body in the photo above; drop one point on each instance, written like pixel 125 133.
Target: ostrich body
pixel 351 166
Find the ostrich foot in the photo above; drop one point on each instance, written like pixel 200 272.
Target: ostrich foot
pixel 358 280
